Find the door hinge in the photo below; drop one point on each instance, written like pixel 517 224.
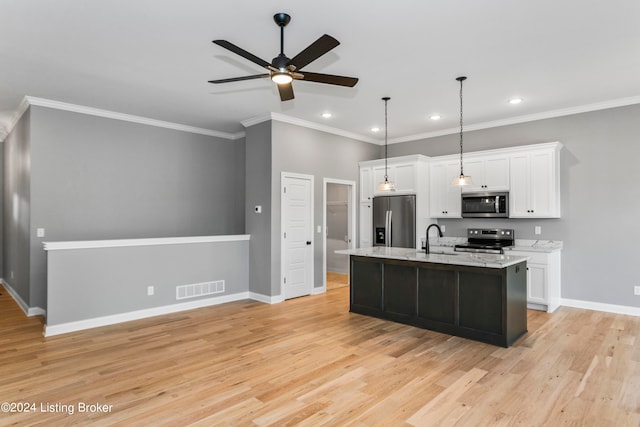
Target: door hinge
pixel 284 190
pixel 285 234
pixel 285 280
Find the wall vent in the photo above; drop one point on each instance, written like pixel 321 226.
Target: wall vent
pixel 199 289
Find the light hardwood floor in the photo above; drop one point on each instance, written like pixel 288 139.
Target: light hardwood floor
pixel 336 280
pixel 308 361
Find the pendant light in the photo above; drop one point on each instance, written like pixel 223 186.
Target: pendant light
pixel 462 180
pixel 386 185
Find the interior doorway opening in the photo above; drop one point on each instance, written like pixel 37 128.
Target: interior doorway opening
pixel 339 227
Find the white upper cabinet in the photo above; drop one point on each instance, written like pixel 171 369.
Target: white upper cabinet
pixel 444 197
pixel 488 173
pixel 403 175
pixel 535 182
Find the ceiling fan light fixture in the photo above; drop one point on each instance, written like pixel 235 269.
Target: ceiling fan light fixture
pixel 281 78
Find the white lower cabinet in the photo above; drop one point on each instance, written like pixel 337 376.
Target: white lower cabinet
pixel 543 279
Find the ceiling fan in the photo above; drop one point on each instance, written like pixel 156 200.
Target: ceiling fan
pixel 283 70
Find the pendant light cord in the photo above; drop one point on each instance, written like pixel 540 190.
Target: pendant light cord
pixel 461 167
pixel 386 176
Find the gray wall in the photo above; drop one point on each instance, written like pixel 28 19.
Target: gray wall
pixel 97 178
pixel 111 281
pixel 258 193
pixel 600 196
pixel 306 151
pixel 16 207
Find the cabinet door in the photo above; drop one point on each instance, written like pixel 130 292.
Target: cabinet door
pixel 475 168
pixel 444 197
pixel 534 185
pixel 366 185
pixel 378 176
pixel 399 294
pixel 541 190
pixel 537 284
pixel 405 177
pixel 366 286
pixel 436 295
pixel 480 302
pixel 365 230
pixel 496 173
pixel 519 199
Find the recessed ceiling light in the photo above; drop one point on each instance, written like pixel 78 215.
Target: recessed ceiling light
pixel 435 117
pixel 375 129
pixel 515 101
pixel 326 115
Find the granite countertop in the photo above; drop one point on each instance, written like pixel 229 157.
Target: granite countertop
pixel 536 245
pixel 520 244
pixel 457 258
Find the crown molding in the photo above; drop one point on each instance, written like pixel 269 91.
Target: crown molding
pixel 41 102
pixel 308 124
pixel 523 119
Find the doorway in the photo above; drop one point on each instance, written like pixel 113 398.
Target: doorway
pixel 339 226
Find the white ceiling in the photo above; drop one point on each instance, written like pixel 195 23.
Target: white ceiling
pixel 153 59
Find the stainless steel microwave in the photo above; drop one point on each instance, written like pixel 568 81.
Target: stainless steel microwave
pixel 485 205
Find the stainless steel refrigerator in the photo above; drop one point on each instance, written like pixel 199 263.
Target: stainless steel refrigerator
pixel 394 221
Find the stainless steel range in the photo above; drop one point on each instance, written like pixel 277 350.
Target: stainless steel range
pixel 487 240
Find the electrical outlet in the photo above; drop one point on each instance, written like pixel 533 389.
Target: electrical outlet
pixel 12 274
pixel 636 290
pixel 443 228
pixel 39 232
pixel 538 229
pixel 150 290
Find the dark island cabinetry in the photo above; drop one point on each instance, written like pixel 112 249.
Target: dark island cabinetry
pixel 481 303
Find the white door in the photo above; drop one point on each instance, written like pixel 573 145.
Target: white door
pixel 297 228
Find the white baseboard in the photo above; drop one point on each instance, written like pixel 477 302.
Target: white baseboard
pixel 265 298
pixel 28 311
pixel 598 306
pixel 63 328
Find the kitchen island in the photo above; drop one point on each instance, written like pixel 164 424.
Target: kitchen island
pixel 476 296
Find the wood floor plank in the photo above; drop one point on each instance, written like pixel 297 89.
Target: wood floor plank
pixel 308 361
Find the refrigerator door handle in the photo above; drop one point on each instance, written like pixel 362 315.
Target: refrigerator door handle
pixel 389 228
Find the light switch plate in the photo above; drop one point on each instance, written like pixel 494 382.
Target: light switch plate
pixel 40 232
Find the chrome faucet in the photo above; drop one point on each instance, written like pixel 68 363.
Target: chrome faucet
pixel 426 241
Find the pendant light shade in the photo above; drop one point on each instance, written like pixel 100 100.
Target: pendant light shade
pixel 386 185
pixel 461 180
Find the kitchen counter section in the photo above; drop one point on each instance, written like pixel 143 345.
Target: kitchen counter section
pixel 477 296
pixel 457 258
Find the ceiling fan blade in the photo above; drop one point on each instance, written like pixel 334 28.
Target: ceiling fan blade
pixel 329 79
pixel 238 79
pixel 239 51
pixel 286 91
pixel 314 51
